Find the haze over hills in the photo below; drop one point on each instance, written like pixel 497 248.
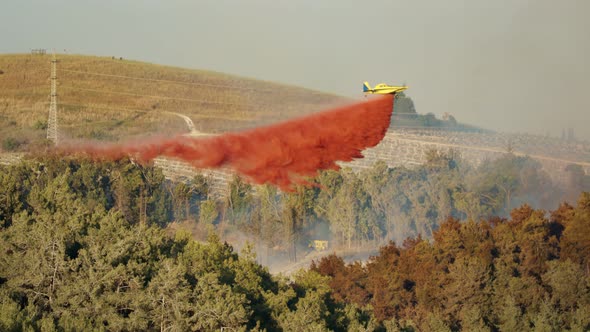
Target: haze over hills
pixel 109 98
pixel 112 98
pixel 106 221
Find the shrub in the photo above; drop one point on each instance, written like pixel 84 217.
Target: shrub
pixel 40 125
pixel 10 144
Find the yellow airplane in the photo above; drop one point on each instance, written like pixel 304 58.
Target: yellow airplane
pixel 383 89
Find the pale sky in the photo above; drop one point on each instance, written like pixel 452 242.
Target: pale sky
pixel 509 65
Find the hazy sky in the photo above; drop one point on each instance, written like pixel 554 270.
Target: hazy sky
pixel 512 65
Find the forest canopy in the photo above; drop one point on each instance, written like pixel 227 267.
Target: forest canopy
pixel 88 246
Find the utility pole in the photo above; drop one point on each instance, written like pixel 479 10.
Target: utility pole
pixel 52 121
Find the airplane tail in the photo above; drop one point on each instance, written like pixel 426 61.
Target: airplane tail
pixel 366 87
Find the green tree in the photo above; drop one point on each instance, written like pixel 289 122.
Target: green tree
pixel 170 298
pixel 217 306
pixel 239 199
pixel 510 316
pixel 208 212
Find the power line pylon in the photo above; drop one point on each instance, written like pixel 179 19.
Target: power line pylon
pixel 52 121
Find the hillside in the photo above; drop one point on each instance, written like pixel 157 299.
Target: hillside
pixel 109 98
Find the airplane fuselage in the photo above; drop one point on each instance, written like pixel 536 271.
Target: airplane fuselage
pixel 383 89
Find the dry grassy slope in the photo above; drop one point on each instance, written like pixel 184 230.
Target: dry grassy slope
pixel 111 107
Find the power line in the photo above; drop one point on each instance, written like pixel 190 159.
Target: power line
pixel 160 110
pixel 149 96
pixel 94 123
pixel 165 81
pixel 202 101
pixel 106 107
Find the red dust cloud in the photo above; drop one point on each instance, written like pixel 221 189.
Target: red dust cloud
pixel 282 154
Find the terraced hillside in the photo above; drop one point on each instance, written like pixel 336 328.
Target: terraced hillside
pixel 409 146
pixel 109 98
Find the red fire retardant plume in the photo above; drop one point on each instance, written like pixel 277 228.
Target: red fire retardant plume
pixel 280 154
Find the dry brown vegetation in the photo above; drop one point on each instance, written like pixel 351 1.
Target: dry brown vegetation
pixel 111 99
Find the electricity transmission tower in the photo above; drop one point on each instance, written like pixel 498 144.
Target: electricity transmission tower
pixel 52 121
